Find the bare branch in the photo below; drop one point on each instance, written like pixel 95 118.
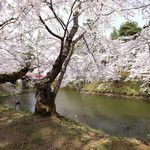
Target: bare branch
pixel 55 15
pixel 48 29
pixel 92 55
pixel 78 38
pixel 6 22
pixel 66 30
pixel 11 20
pixel 134 8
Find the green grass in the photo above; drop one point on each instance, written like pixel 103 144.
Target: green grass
pixel 148 135
pixel 20 131
pixel 122 87
pixel 38 140
pixel 4 95
pixel 26 122
pixel 109 145
pixel 92 86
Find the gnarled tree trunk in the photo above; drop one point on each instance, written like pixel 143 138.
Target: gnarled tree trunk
pixel 45 104
pixel 45 96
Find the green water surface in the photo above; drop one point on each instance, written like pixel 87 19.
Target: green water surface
pixel 119 116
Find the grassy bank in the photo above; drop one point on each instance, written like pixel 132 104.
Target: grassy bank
pixel 23 131
pixel 123 87
pixel 119 88
pixel 3 91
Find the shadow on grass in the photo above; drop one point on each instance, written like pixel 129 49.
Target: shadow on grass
pixel 24 131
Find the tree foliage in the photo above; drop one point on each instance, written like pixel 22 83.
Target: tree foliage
pixel 129 29
pixel 62 25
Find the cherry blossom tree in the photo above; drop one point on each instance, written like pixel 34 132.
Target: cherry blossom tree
pixel 67 27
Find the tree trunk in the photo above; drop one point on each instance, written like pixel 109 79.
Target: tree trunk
pixel 45 96
pixel 45 104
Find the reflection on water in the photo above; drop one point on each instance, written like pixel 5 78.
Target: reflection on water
pixel 118 116
pixel 26 99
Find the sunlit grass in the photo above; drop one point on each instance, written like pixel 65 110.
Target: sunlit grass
pixel 22 130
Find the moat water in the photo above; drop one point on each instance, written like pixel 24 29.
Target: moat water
pixel 117 116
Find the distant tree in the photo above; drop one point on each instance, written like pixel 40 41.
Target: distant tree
pixel 114 35
pixel 129 29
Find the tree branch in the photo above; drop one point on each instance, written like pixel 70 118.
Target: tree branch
pixel 48 29
pixel 15 75
pixel 92 55
pixel 6 22
pixel 55 91
pixel 58 18
pixel 66 30
pixel 78 38
pixel 134 8
pixel 63 70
